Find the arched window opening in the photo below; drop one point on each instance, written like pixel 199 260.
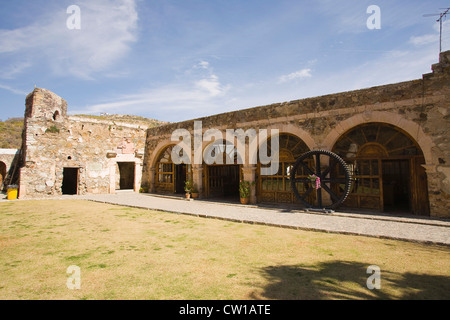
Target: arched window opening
pixel 170 177
pixel 56 116
pixel 277 188
pixel 387 170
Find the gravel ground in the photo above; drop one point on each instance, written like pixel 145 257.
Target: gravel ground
pixel 410 228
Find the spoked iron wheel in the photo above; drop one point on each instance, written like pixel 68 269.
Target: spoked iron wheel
pixel 309 176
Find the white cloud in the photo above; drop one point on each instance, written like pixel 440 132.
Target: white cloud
pixel 108 27
pixel 432 38
pixel 171 103
pixel 203 65
pixel 11 70
pixel 209 82
pixel 13 90
pixel 211 85
pixel 304 73
pixel 424 40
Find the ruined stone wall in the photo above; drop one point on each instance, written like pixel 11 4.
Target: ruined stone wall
pixel 420 108
pixel 7 156
pixel 8 159
pixel 54 143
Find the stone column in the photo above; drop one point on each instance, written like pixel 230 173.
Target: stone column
pixel 197 178
pixel 137 176
pixel 152 180
pixel 249 174
pixel 434 191
pixel 112 177
pixel 112 170
pixel 22 185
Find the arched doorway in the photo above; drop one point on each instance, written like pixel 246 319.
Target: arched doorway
pixel 2 174
pixel 223 170
pixel 386 167
pixel 170 177
pixel 277 188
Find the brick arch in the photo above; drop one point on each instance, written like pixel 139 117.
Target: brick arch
pixel 410 127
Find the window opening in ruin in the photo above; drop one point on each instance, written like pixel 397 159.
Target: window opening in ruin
pixel 56 115
pixel 126 170
pixel 70 181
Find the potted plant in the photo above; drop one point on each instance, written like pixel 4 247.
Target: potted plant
pixel 188 188
pixel 195 192
pixel 245 190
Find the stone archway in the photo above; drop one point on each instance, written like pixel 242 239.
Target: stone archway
pixel 386 164
pixel 276 188
pixel 169 177
pixel 411 128
pixel 3 173
pixel 222 167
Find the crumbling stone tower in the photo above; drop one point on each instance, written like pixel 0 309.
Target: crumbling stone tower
pixel 64 154
pixel 44 105
pixel 44 112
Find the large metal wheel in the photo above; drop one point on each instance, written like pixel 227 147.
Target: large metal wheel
pixel 317 171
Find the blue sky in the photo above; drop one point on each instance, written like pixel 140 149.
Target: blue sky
pixel 177 60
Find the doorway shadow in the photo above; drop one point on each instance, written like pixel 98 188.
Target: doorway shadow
pixel 347 280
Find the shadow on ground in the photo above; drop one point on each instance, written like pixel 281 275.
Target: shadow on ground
pixel 348 280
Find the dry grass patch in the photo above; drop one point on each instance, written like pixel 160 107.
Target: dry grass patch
pixel 127 253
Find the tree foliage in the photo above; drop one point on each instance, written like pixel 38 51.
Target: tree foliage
pixel 11 133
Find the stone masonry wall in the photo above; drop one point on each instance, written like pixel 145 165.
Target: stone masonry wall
pixel 419 108
pixel 54 143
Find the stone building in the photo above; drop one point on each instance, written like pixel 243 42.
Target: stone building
pixel 8 157
pixel 76 155
pixel 395 138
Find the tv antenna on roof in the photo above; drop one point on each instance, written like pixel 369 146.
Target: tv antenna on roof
pixel 441 15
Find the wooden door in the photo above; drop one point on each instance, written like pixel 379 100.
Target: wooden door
pixel 419 185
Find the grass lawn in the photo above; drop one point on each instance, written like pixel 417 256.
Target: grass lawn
pixel 127 253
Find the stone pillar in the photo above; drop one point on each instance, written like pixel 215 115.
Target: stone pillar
pixel 112 177
pixel 137 176
pixel 22 185
pixel 197 178
pixel 438 191
pixel 152 178
pixel 249 174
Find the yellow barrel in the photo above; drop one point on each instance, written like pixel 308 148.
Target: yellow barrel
pixel 11 192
